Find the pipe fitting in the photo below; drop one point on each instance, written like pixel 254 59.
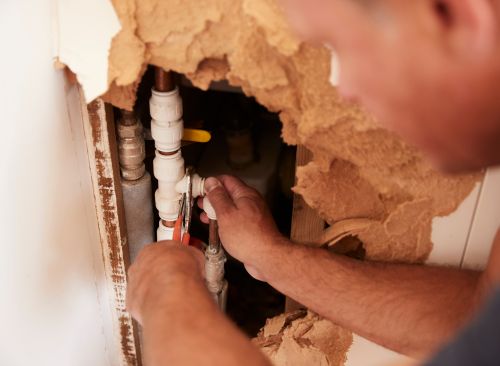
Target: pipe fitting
pixel 128 118
pixel 198 186
pixel 214 271
pixel 130 131
pixel 168 169
pixel 131 148
pixel 164 233
pixel 165 106
pixel 167 135
pixel 209 209
pixel 168 207
pixel 132 153
pixel 167 126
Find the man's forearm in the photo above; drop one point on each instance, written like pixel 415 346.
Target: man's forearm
pixel 186 328
pixel 409 308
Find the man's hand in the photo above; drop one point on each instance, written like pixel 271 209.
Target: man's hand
pixel 246 227
pixel 158 271
pixel 180 321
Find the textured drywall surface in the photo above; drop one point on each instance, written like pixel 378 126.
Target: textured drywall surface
pixel 363 180
pixel 303 338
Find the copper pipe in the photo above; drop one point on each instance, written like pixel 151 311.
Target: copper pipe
pixel 213 237
pixel 164 80
pixel 168 153
pixel 169 224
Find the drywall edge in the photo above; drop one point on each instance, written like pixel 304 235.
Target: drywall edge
pixel 486 223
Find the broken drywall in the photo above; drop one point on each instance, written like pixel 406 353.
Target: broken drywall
pixel 360 171
pixel 85 52
pixel 302 338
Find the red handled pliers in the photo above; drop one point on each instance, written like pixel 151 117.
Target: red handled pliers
pixel 183 222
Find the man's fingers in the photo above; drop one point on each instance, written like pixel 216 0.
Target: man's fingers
pixel 225 192
pixel 204 218
pixel 236 188
pixel 219 197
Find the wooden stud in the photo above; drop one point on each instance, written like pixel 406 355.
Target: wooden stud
pixel 307 225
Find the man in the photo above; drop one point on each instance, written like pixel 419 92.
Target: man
pixel 428 69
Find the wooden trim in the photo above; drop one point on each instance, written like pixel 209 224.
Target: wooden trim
pixel 103 160
pixel 307 225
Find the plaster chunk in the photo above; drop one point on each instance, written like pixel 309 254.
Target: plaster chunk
pixel 306 340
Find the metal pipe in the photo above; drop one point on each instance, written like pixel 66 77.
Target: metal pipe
pixel 213 237
pixel 169 224
pixel 168 153
pixel 164 80
pixel 136 183
pixel 128 118
pixel 214 258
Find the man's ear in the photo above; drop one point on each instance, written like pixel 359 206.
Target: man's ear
pixel 473 23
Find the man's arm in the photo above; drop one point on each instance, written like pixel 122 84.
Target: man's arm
pixel 180 321
pixel 409 308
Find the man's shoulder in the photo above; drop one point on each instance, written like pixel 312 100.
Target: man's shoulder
pixel 478 343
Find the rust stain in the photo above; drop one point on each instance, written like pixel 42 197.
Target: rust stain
pixel 113 256
pixel 128 345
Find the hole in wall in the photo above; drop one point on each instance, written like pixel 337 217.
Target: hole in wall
pixel 246 142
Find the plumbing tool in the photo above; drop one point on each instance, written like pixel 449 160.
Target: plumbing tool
pixel 183 222
pixel 179 223
pixel 189 199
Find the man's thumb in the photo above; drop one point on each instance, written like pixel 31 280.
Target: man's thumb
pixel 218 196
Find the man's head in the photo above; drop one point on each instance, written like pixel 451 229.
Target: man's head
pixel 428 69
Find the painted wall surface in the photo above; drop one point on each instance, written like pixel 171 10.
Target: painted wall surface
pixel 50 278
pixel 485 224
pixel 463 240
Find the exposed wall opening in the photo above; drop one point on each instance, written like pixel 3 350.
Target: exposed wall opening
pixel 246 142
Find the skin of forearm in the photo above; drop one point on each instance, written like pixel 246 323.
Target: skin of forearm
pixel 411 309
pixel 185 327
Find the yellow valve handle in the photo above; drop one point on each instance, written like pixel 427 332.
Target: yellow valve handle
pixel 195 135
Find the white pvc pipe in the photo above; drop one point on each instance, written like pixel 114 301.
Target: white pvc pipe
pixel 167 129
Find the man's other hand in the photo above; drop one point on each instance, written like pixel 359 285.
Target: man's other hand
pixel 246 227
pixel 158 273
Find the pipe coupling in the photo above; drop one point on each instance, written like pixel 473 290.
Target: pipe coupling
pixel 214 271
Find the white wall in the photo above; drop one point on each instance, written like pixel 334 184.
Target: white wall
pixel 485 224
pixel 49 276
pixel 462 239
